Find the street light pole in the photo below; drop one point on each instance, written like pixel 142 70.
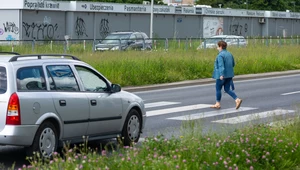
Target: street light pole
pixel 151 21
pixel 293 2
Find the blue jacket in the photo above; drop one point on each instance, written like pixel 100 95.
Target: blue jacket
pixel 224 64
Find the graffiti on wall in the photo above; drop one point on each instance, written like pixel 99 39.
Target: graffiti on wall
pixel 212 26
pixel 40 31
pixel 80 29
pixel 104 28
pixel 238 29
pixel 11 27
pixel 9 30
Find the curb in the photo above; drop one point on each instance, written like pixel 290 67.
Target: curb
pixel 208 81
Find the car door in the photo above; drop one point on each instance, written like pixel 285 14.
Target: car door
pixel 139 41
pixel 71 104
pixel 105 107
pixel 132 42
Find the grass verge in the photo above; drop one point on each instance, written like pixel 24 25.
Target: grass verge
pixel 255 147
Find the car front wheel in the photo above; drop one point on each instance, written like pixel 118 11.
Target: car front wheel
pixel 132 128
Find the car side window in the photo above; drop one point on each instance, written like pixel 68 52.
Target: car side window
pixel 91 80
pixel 31 78
pixel 139 37
pixel 132 37
pixel 3 80
pixel 145 36
pixel 61 78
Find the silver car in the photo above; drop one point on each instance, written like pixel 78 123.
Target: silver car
pixel 231 40
pixel 46 100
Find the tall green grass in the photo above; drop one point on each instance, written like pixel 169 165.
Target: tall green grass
pixel 257 147
pixel 135 68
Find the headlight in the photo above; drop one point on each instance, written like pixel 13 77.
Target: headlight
pixel 115 48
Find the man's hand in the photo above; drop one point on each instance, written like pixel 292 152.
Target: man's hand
pixel 221 77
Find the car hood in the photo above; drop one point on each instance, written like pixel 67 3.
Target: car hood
pixel 107 45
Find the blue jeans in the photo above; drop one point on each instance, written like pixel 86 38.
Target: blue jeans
pixel 226 82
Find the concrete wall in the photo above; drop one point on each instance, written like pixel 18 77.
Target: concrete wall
pixel 9 25
pixel 163 26
pixel 43 25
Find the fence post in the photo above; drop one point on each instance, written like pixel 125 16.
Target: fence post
pixel 51 45
pixel 120 47
pixel 166 44
pixel 155 44
pixel 12 46
pixel 280 41
pixel 297 40
pixel 84 45
pixel 179 43
pixel 186 43
pixel 270 40
pixel 204 44
pixel 65 47
pixel 144 43
pixel 32 45
pixel 93 46
pixel 190 42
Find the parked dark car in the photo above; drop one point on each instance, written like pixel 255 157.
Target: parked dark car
pixel 124 41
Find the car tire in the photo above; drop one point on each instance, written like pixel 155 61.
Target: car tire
pixel 132 128
pixel 45 141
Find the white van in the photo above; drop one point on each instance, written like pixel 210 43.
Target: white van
pixel 231 40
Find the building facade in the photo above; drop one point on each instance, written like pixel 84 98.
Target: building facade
pixel 45 20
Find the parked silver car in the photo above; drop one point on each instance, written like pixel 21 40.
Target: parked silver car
pixel 48 99
pixel 124 41
pixel 231 40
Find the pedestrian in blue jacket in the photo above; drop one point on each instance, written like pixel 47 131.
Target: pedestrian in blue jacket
pixel 223 73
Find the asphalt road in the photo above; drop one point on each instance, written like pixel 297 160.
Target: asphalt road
pixel 264 100
pixel 169 106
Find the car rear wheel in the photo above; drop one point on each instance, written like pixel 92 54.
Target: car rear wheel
pixel 45 141
pixel 132 128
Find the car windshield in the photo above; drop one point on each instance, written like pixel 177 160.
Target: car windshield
pixel 114 38
pixel 213 40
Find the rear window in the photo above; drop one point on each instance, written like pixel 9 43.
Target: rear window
pixel 3 80
pixel 31 78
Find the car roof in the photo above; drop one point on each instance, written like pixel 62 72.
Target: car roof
pixel 121 32
pixel 37 58
pixel 126 32
pixel 227 36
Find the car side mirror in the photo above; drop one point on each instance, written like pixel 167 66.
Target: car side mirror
pixel 130 42
pixel 115 88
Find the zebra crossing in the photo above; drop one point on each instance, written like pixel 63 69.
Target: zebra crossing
pixel 224 116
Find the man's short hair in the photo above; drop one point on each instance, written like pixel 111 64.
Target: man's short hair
pixel 222 44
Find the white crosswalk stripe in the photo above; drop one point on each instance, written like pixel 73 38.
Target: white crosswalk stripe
pixel 211 113
pixel 254 116
pixel 158 104
pixel 176 109
pixel 169 108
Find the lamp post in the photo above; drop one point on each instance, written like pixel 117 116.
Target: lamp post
pixel 293 2
pixel 151 21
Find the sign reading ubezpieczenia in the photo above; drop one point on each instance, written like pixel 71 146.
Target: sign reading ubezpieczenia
pixel 123 8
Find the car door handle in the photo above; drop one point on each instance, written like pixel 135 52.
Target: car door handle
pixel 93 102
pixel 62 103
